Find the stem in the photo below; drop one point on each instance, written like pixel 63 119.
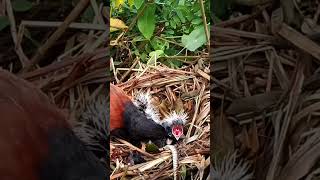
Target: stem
pixel 205 22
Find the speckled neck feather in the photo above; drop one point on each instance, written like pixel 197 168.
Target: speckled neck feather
pixel 143 101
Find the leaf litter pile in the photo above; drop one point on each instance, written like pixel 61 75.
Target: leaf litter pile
pixel 171 89
pixel 266 95
pixel 68 63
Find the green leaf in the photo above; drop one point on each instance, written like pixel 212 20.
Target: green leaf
pixel 138 39
pixel 183 172
pixel 138 3
pixel 182 18
pixel 158 44
pixel 148 48
pixel 154 55
pixel 143 57
pixel 131 3
pixel 170 31
pixel 21 5
pixel 195 39
pixel 176 20
pixel 173 24
pixel 152 148
pixel 117 63
pixel 181 2
pixel 196 21
pixel 4 22
pixel 175 63
pixel 119 3
pixel 147 22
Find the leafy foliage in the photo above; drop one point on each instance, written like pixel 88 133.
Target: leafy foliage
pixel 161 28
pixel 17 6
pixel 146 22
pixel 21 5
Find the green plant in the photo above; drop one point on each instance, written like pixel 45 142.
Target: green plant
pixel 17 6
pixel 162 27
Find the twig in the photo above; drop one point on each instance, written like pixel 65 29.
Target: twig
pixel 46 24
pixel 135 148
pixel 300 41
pixel 57 34
pixel 204 19
pixel 129 70
pixel 22 57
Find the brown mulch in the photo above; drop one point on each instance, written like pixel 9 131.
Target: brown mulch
pixel 265 90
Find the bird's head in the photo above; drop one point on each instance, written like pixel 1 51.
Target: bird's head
pixel 174 124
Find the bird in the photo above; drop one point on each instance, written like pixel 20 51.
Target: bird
pixel 36 140
pixel 92 125
pixel 136 119
pixel 128 122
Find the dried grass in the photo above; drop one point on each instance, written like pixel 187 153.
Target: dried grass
pixel 185 88
pixel 265 92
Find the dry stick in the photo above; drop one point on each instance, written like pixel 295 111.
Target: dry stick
pixel 129 70
pixel 239 19
pixel 269 81
pixel 300 41
pixel 293 100
pixel 316 15
pixel 196 111
pixel 241 33
pixel 97 12
pixel 203 74
pixel 54 67
pixel 205 23
pixel 47 24
pixel 2 8
pixel 98 42
pixel 135 148
pixel 115 176
pixel 114 70
pixel 89 45
pixel 57 34
pixel 22 57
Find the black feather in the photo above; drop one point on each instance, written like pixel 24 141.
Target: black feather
pixel 139 127
pixel 69 159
